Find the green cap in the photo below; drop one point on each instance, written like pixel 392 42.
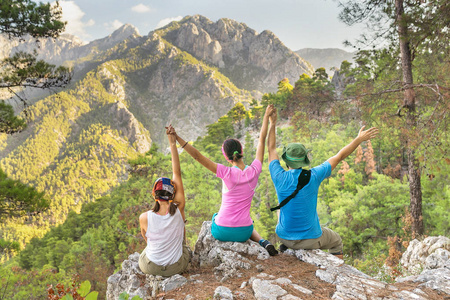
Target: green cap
pixel 295 155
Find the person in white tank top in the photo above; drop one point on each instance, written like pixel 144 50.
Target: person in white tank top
pixel 162 227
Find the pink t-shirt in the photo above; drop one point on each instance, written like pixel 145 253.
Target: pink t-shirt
pixel 237 194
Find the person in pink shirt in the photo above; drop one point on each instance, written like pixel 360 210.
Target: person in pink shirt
pixel 233 222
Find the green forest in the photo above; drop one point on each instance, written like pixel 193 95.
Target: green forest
pixel 366 201
pixel 90 184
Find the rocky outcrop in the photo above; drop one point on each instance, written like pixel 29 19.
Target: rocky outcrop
pixel 54 51
pixel 130 128
pixel 431 253
pixel 428 262
pixel 124 32
pixel 178 90
pixel 252 60
pixel 229 260
pixel 340 82
pixel 131 280
pixel 226 257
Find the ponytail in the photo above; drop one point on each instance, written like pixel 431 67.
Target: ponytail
pixel 232 150
pixel 172 207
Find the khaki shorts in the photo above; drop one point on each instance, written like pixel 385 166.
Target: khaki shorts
pixel 329 240
pixel 151 268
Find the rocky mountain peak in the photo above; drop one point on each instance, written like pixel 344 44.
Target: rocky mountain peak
pixel 118 36
pixel 71 38
pixel 66 47
pixel 251 60
pixel 124 32
pixel 199 19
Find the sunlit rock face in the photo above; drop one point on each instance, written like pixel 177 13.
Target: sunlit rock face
pixel 428 262
pixel 252 60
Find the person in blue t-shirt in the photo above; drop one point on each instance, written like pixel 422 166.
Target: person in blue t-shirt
pixel 298 223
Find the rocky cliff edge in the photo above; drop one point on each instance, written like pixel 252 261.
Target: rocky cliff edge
pixel 227 270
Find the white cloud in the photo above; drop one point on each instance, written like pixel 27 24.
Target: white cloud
pixel 73 14
pixel 116 24
pixel 141 8
pixel 166 21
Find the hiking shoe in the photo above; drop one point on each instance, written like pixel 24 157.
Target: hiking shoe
pixel 271 249
pixel 339 255
pixel 283 248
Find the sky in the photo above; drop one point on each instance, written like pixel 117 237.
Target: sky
pixel 297 23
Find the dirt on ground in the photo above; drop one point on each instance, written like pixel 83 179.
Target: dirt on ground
pixel 280 266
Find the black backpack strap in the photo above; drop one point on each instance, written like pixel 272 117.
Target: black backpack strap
pixel 303 179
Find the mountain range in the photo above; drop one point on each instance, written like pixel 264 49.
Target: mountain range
pixel 126 88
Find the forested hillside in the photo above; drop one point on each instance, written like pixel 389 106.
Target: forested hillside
pixel 78 141
pixel 95 148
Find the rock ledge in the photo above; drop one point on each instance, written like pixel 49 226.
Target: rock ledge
pixel 228 260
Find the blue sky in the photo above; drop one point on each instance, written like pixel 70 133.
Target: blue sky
pixel 298 23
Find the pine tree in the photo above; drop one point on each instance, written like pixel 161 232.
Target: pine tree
pixel 409 28
pixel 18 199
pixel 17 19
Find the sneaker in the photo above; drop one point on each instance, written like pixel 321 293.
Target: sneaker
pixel 283 248
pixel 271 249
pixel 339 255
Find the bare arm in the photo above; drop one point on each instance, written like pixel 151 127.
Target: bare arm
pixel 363 135
pixel 206 162
pixel 179 198
pixel 271 141
pixel 263 134
pixel 143 223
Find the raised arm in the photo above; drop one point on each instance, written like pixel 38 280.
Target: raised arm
pixel 263 134
pixel 179 198
pixel 206 162
pixel 363 135
pixel 271 140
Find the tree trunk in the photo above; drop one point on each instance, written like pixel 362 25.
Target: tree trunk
pixel 415 193
pixel 415 189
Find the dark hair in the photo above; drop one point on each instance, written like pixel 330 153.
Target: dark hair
pixel 163 193
pixel 156 206
pixel 233 149
pixel 172 208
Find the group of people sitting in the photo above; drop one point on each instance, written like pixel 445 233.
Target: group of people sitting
pixel 298 224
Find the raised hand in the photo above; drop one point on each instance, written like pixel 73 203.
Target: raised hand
pixel 368 134
pixel 273 116
pixel 171 135
pixel 269 110
pixel 170 130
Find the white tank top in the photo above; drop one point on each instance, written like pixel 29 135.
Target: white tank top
pixel 164 238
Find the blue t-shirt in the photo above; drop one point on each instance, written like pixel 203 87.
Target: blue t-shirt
pixel 298 219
